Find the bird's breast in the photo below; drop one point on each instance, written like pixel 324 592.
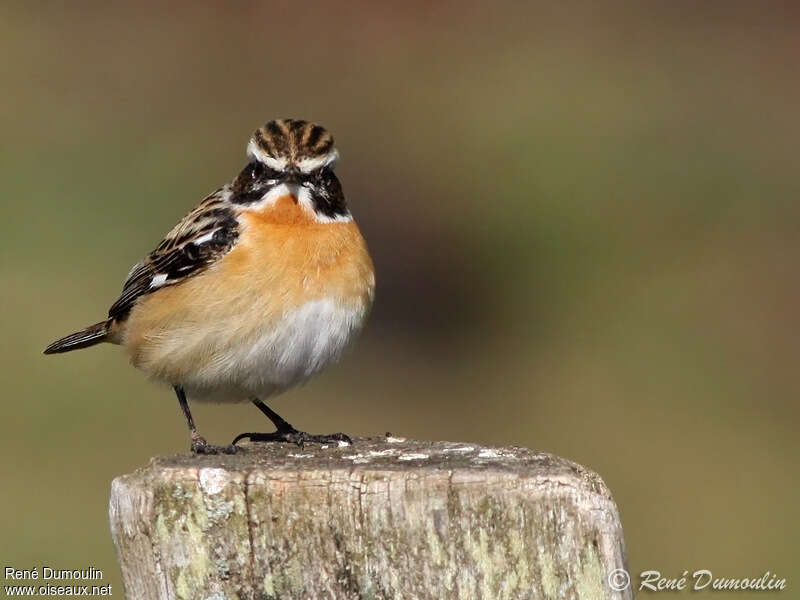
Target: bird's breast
pixel 280 306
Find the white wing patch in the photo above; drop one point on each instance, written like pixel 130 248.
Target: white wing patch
pixel 205 237
pixel 158 280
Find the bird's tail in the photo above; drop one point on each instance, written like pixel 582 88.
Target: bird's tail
pixel 94 334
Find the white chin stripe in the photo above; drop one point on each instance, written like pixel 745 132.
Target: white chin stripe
pixel 304 199
pixel 275 192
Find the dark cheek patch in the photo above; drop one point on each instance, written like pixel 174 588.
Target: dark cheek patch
pixel 246 197
pixel 252 183
pixel 327 195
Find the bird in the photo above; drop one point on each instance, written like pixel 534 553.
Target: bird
pixel 257 289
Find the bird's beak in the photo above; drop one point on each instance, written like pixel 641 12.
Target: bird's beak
pixel 292 176
pixel 292 179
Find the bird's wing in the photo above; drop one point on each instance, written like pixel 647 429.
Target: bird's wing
pixel 201 238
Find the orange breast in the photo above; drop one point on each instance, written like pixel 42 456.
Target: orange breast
pixel 282 259
pixel 284 248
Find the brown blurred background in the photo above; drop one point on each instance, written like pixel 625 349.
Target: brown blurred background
pixel 584 219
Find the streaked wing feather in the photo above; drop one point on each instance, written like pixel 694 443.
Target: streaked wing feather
pixel 201 238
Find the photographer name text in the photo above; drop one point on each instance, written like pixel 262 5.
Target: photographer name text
pixel 703 579
pixel 51 582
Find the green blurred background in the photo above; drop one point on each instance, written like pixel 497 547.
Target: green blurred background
pixel 584 219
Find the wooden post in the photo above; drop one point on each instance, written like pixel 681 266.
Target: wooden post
pixel 386 518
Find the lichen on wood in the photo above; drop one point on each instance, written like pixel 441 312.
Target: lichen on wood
pixel 385 518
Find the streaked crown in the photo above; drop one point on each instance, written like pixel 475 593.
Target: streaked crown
pixel 294 158
pixel 295 143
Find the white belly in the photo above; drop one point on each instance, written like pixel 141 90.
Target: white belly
pixel 280 354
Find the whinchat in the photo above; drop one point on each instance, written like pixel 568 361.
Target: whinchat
pixel 258 288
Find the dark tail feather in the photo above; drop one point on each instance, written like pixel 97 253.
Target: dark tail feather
pixel 94 334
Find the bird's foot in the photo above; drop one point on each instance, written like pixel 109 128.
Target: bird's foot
pixel 293 436
pixel 201 446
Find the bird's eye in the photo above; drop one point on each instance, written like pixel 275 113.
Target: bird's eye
pixel 261 172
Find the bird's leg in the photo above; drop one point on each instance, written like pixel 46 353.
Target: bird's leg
pixel 199 443
pixel 284 432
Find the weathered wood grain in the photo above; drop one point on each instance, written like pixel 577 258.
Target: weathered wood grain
pixel 384 518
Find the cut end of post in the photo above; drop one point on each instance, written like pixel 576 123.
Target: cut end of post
pixel 384 518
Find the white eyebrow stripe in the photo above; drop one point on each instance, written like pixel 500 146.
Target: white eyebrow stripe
pixel 309 164
pixel 254 152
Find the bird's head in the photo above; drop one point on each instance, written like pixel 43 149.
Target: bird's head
pixel 296 158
